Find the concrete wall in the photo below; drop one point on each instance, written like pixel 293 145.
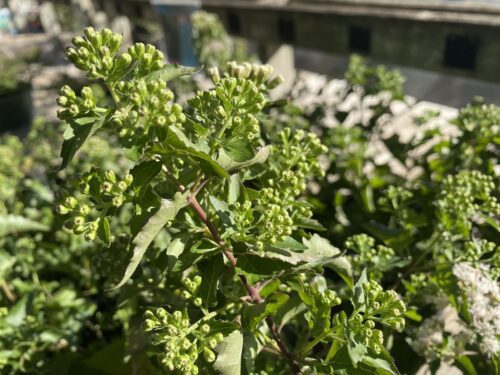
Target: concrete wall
pixel 406 42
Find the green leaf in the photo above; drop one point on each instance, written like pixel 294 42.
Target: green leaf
pixel 256 268
pixel 413 315
pixel 19 311
pixel 104 231
pixel 254 314
pixel 229 354
pixel 77 133
pixel 315 252
pixel 358 298
pixel 238 149
pixel 290 243
pixel 234 189
pixel 167 211
pixel 251 348
pixel 172 71
pixel 466 365
pixel 199 152
pixel 210 271
pixel 10 224
pixel 143 174
pixel 222 210
pixel 229 164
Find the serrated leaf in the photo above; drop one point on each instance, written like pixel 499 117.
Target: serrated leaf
pixel 222 210
pixel 256 268
pixel 104 231
pixel 199 152
pixel 239 149
pixel 254 314
pixel 290 243
pixel 19 311
pixel 358 297
pixel 229 354
pixel 77 133
pixel 210 271
pixel 172 71
pixel 10 224
pixel 251 348
pixel 167 211
pixel 143 173
pixel 229 164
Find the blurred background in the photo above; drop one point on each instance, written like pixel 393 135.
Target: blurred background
pixel 448 51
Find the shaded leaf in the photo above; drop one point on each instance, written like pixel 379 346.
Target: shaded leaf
pixel 167 211
pixel 229 164
pixel 238 149
pixel 210 271
pixel 172 71
pixel 77 133
pixel 104 231
pixel 254 314
pixel 229 354
pixel 10 224
pixel 143 173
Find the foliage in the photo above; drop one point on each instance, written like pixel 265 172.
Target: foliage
pixel 13 74
pixel 213 45
pixel 207 236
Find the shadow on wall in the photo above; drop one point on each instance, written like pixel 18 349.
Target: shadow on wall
pixel 447 89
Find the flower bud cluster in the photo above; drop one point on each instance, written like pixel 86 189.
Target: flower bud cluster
pixel 229 111
pixel 95 52
pixel 182 342
pixel 106 191
pixel 376 260
pixel 297 153
pixel 260 75
pixel 366 332
pixel 465 195
pixel 74 105
pixel 273 226
pixel 147 58
pixel 80 219
pixel 383 305
pixel 192 286
pixel 395 197
pixel 146 105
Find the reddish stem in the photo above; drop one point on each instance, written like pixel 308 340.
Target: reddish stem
pixel 252 291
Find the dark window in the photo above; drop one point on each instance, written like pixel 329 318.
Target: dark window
pixel 460 52
pixel 360 39
pixel 286 30
pixel 234 23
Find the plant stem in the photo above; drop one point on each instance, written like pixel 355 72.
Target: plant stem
pixel 252 291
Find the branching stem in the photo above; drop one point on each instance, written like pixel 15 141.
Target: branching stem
pixel 252 291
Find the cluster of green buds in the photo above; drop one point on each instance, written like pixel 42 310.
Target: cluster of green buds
pixel 105 188
pixel 366 332
pixel 182 341
pixel 260 75
pixel 383 306
pixel 75 105
pixel 464 196
pixel 80 220
pixel 192 286
pixel 146 106
pixel 319 300
pixel 273 226
pixel 296 152
pixel 229 111
pixel 395 197
pixel 95 52
pixel 375 259
pixel 476 249
pixel 106 191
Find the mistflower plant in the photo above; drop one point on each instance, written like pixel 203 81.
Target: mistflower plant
pixel 216 210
